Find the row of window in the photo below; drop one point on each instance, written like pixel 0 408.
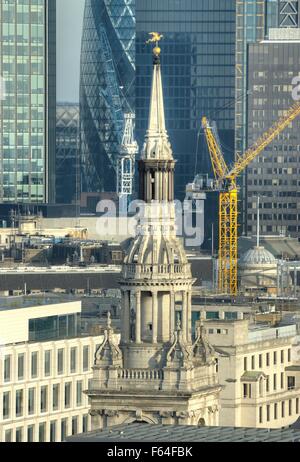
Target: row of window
pixel 267 359
pixel 47 368
pixel 47 403
pixel 290 385
pixel 278 410
pixel 41 433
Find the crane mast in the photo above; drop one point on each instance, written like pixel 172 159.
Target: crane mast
pixel 228 195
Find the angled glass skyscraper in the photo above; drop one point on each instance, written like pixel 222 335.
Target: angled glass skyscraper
pixel 27 105
pixel 106 88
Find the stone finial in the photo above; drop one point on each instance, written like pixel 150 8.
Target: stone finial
pixel 109 353
pixel 180 354
pixel 203 351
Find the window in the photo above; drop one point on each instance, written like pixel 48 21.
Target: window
pixel 291 382
pixel 53 431
pixel 19 435
pixel 289 355
pixel 274 382
pixel 21 366
pixel 73 361
pixel 6 405
pixel 275 358
pixel 30 434
pixel 79 393
pixel 268 413
pixel 297 405
pixel 47 364
pixel 42 432
pixel 282 356
pixel 55 397
pixel 8 436
pixel 260 414
pixel 7 368
pixel 282 380
pixel 60 361
pixel 275 411
pixel 74 425
pixel 268 359
pixel 19 403
pixel 247 390
pixel 31 401
pixel 260 360
pixel 268 384
pixel 34 365
pixel 44 398
pixel 64 429
pixel 86 358
pixel 290 407
pixel 85 421
pixel 68 394
pixel 282 409
pixel 253 362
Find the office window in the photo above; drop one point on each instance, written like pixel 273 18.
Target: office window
pixel 282 356
pixel 275 411
pixel 44 398
pixel 34 365
pixel 291 382
pixel 274 382
pixel 55 397
pixel 8 436
pixel 290 407
pixel 282 380
pixel 297 405
pixel 19 403
pixel 86 358
pixel 282 409
pixel 268 413
pixel 85 423
pixel 268 384
pixel 30 434
pixel 79 387
pixel 7 368
pixel 42 432
pixel 68 394
pixel 21 358
pixel 73 360
pixel 47 364
pixel 260 414
pixel 6 405
pixel 260 361
pixel 19 435
pixel 247 390
pixel 74 425
pixel 268 359
pixel 253 362
pixel 60 361
pixel 31 401
pixel 275 358
pixel 64 429
pixel 289 355
pixel 53 431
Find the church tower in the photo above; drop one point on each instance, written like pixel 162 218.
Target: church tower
pixel 156 374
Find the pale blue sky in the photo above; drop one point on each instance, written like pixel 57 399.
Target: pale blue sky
pixel 69 29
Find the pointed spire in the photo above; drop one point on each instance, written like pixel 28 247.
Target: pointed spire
pixel 157 145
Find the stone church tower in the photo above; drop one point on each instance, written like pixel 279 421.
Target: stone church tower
pixel 156 374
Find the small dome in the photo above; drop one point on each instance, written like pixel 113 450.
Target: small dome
pixel 257 256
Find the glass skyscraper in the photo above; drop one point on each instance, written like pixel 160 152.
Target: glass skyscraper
pixel 106 88
pixel 198 73
pixel 27 108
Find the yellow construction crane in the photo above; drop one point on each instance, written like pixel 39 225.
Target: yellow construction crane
pixel 226 185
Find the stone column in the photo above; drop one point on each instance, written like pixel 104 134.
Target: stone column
pixel 138 317
pixel 126 318
pixel 154 316
pixel 184 315
pixel 172 314
pixel 189 316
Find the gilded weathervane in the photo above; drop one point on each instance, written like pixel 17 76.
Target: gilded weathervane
pixel 156 37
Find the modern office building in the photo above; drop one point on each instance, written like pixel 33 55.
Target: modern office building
pixel 67 153
pixel 258 368
pixel 199 76
pixel 45 366
pixel 27 109
pixel 106 88
pixel 274 175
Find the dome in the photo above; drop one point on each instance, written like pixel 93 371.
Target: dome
pixel 257 256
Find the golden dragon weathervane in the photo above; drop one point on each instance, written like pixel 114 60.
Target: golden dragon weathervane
pixel 156 37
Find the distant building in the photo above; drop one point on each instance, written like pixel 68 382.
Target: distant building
pixel 274 175
pixel 27 109
pixel 257 368
pixel 67 153
pixel 45 366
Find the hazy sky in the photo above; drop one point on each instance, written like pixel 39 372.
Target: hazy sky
pixel 69 28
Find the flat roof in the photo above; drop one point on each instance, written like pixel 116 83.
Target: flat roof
pixel 143 432
pixel 13 303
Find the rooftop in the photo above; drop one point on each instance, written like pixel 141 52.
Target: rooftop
pixel 138 431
